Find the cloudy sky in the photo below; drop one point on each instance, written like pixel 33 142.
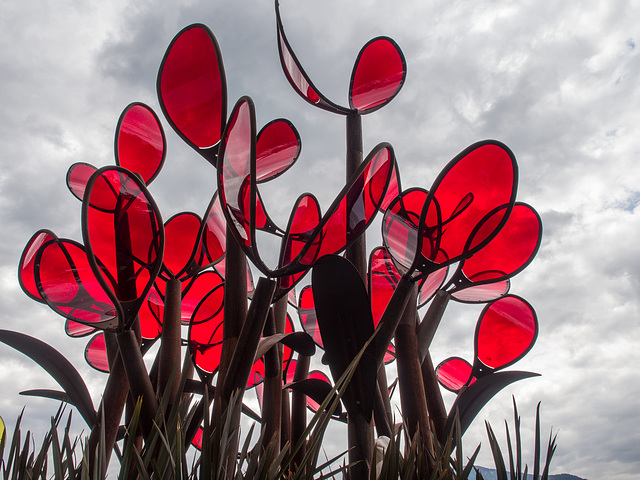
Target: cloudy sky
pixel 556 81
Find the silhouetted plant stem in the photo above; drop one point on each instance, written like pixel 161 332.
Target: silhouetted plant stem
pixel 431 321
pixel 272 392
pixel 435 403
pixel 356 253
pixel 299 407
pixel 412 396
pixel 139 381
pixel 382 406
pixel 280 318
pixel 170 342
pixel 114 397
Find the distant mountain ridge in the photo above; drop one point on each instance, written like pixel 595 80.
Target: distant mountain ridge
pixel 490 474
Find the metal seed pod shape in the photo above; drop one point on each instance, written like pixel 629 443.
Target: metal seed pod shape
pixel 124 237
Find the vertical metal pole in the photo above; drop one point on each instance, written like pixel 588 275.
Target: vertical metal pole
pixel 170 342
pixel 356 253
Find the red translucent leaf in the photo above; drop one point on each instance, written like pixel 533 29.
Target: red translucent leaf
pixel 400 226
pixel 317 375
pixel 453 373
pixel 76 330
pixel 124 235
pixel 430 285
pixel 95 353
pixel 182 243
pixel 192 86
pixel 214 233
pixel 277 149
pixel 354 208
pixel 26 272
pixel 77 177
pixel 140 144
pixel 202 285
pixel 234 172
pixel 394 188
pixel 67 283
pixel 307 314
pixel 151 315
pixel 510 250
pixel 303 221
pixel 383 279
pixel 506 331
pixel 482 293
pixel 205 333
pixel 378 75
pixel 481 179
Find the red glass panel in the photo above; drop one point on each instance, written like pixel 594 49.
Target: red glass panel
pixel 506 331
pixel 26 273
pixel 191 86
pixel 317 375
pixel 205 333
pixel 307 314
pixel 453 373
pixel 140 142
pixel 197 439
pixel 215 232
pixel 234 173
pixel 305 217
pixel 77 177
pixel 95 353
pixel 124 234
pixel 277 149
pixel 478 181
pixel 430 285
pixel 67 283
pixel 296 76
pixel 378 74
pixel 349 216
pixel 202 285
pixel 510 250
pixel 482 293
pixel 182 242
pixel 383 279
pixel 151 315
pixel 400 226
pixel 75 329
pixel 394 188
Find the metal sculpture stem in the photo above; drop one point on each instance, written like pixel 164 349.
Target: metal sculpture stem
pixel 171 339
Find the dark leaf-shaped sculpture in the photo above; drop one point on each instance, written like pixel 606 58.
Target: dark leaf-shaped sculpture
pixel 316 387
pixel 140 144
pixel 505 332
pixel 346 324
pixel 378 75
pixel 124 238
pixel 192 89
pixel 58 367
pixel 460 214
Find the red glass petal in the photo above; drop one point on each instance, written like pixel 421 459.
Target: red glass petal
pixel 510 250
pixel 478 181
pixel 482 293
pixel 67 283
pixel 430 285
pixel 400 226
pixel 453 373
pixel 378 75
pixel 140 144
pixel 307 314
pixel 182 243
pixel 124 242
pixel 215 232
pixel 77 177
pixel 234 172
pixel 383 279
pixel 202 285
pixel 76 330
pixel 355 207
pixel 205 333
pixel 394 188
pixel 192 86
pixel 277 149
pixel 506 331
pixel 151 315
pixel 95 353
pixel 26 272
pixel 303 221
